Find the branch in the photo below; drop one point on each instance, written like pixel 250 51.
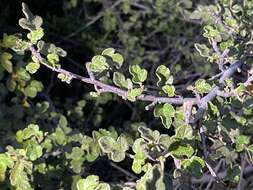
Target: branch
pixel 216 89
pixel 95 19
pixel 112 89
pixel 149 98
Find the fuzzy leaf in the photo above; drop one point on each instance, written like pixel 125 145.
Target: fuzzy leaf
pixel 103 186
pixel 9 41
pixel 19 178
pixel 23 74
pixel 194 165
pixel 166 112
pixel 109 52
pixel 89 183
pixel 202 86
pixel 203 50
pixel 179 150
pixel 118 58
pixel 169 90
pixel 48 48
pixel 5 161
pixel 139 157
pixel 32 67
pixel 107 144
pixel 241 141
pixel 34 150
pixel 212 33
pixel 53 58
pixel 30 91
pixel 122 142
pixel 64 78
pixel 6 63
pixel 148 134
pixel 153 179
pixel 32 130
pixel 139 74
pixel 31 22
pixel 117 156
pixel 98 64
pixel 120 80
pixel 163 75
pixel 35 35
pixel 133 93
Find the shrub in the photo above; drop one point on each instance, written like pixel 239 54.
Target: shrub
pixel 195 82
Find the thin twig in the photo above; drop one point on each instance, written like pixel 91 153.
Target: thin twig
pixel 95 19
pixel 124 171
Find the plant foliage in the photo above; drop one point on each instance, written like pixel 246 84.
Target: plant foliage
pixel 170 107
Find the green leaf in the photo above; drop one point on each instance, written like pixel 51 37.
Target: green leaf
pixel 76 153
pixel 53 58
pixel 233 173
pixel 179 150
pixel 23 74
pixel 166 112
pixel 137 165
pixel 139 157
pixel 34 150
pixel 32 67
pixel 184 132
pixel 153 179
pixel 120 80
pixel 122 142
pixel 9 41
pixel 30 91
pixel 226 44
pixel 118 58
pixel 241 141
pixel 133 93
pixel 202 86
pixel 89 183
pixel 169 90
pixel 32 130
pixel 148 134
pixel 98 64
pixel 240 89
pixel 103 186
pixel 5 161
pixel 35 35
pixel 31 22
pixel 109 52
pixel 11 84
pixel 5 62
pixel 76 164
pixel 163 75
pixel 33 88
pixel 37 84
pixel 107 144
pixel 212 33
pixel 59 136
pixel 194 165
pixel 19 178
pixel 42 107
pixel 165 140
pixel 139 74
pixel 64 78
pixel 49 48
pixel 3 169
pixel 117 155
pixel 203 50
